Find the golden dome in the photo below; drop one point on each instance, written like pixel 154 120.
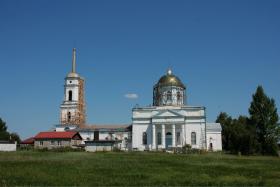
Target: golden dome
pixel 170 80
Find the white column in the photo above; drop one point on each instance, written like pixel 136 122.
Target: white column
pixel 173 136
pixel 154 137
pixel 163 136
pixel 183 135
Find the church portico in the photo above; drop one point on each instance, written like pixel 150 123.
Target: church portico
pixel 167 136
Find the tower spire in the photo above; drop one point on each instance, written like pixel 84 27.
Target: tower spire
pixel 74 61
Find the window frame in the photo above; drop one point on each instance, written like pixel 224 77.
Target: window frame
pixel 193 138
pixel 70 95
pixel 144 138
pixel 179 97
pixel 169 96
pixel 52 142
pixel 178 138
pixel 159 140
pixel 68 116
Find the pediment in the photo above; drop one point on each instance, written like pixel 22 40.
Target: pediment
pixel 167 113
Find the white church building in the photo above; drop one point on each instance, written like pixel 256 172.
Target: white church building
pixel 169 123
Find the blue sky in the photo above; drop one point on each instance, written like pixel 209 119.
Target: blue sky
pixel 221 50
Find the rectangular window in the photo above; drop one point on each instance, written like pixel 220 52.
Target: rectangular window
pixel 193 138
pixel 41 143
pixel 159 138
pixel 52 142
pixel 178 138
pixel 59 143
pixel 96 135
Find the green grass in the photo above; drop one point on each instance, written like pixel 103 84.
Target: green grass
pixel 136 169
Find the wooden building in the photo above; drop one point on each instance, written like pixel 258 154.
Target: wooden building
pixel 54 139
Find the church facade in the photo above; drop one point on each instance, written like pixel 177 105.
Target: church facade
pixel 169 123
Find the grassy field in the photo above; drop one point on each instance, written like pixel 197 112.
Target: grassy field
pixel 136 169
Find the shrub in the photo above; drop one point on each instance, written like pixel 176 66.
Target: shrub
pixel 187 149
pixel 116 149
pixel 26 148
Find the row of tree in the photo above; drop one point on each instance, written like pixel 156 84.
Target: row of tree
pixel 5 135
pixel 259 133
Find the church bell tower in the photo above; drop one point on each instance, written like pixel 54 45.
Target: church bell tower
pixel 72 109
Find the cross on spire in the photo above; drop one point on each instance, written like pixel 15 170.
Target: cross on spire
pixel 74 61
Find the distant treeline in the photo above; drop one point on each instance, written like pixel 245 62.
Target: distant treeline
pixel 257 134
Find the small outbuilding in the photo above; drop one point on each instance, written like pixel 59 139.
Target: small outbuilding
pixel 8 146
pixel 54 139
pixel 214 137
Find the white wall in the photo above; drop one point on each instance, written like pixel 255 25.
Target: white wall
pixel 89 136
pixel 74 87
pixel 8 147
pixel 192 118
pixel 199 129
pixel 92 148
pixel 137 135
pixel 138 129
pixel 216 139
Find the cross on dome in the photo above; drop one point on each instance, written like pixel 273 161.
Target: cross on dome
pixel 169 71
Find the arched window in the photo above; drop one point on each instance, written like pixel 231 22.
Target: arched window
pixel 193 138
pixel 70 95
pixel 169 96
pixel 69 116
pixel 159 138
pixel 168 134
pixel 144 138
pixel 179 97
pixel 211 147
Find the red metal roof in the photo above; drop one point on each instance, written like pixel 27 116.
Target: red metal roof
pixel 56 135
pixel 28 141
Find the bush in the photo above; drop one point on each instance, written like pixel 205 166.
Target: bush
pixel 187 149
pixel 42 150
pixel 116 149
pixel 26 148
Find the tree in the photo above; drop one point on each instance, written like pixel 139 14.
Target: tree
pixel 225 120
pixel 4 135
pixel 3 126
pixel 264 118
pixel 237 135
pixel 242 136
pixel 15 137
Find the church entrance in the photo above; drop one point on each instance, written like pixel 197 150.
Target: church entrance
pixel 168 140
